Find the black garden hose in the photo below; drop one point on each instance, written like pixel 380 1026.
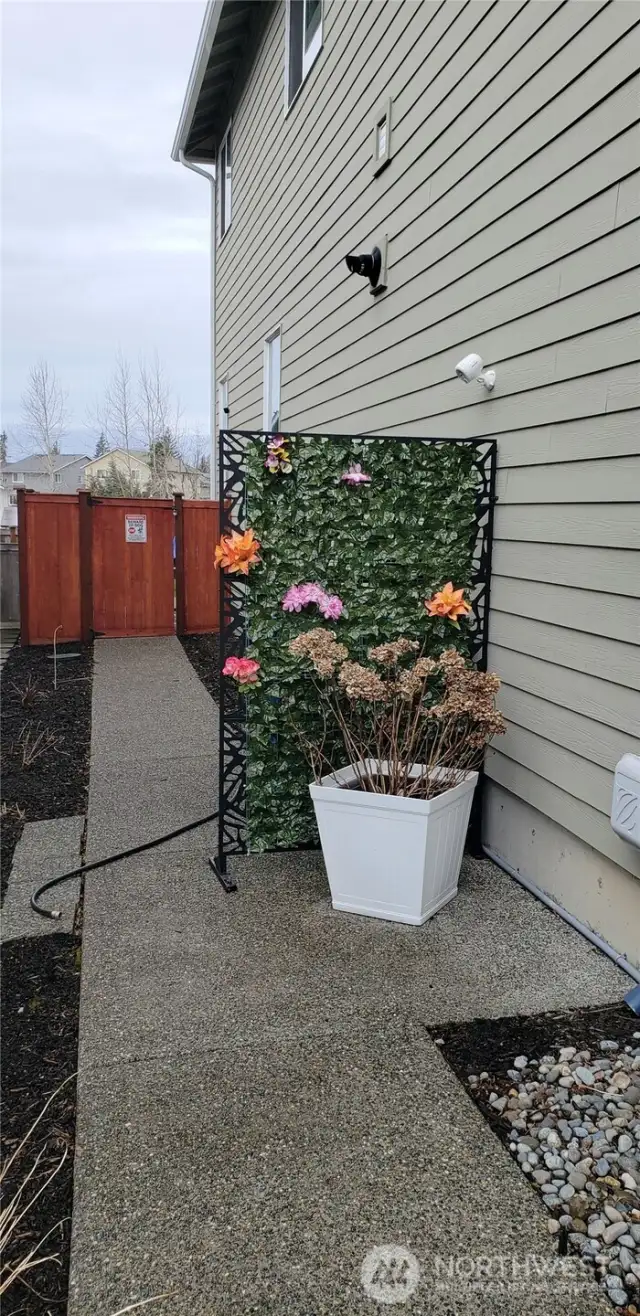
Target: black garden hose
pixel 111 859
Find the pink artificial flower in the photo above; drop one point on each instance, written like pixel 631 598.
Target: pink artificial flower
pixel 292 601
pixel 298 597
pixel 243 670
pixel 331 607
pixel 356 475
pixel 311 593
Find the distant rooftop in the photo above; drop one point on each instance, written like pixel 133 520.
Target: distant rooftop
pixel 38 462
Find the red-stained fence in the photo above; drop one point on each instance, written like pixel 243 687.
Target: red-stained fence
pixel 115 566
pixel 197 586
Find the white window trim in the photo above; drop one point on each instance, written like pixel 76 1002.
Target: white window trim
pixel 221 235
pixel 275 333
pixel 308 59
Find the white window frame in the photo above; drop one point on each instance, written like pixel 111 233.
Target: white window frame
pixel 17 477
pixel 266 381
pixel 13 500
pixel 309 56
pixel 225 213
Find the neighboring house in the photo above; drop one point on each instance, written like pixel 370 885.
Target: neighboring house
pixel 135 470
pixel 61 473
pixel 497 147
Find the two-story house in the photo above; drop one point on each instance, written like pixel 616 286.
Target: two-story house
pixel 131 472
pixel 491 151
pixel 62 472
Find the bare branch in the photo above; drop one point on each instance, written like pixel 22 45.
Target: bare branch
pixel 46 415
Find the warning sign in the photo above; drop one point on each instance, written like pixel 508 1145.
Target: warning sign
pixel 135 529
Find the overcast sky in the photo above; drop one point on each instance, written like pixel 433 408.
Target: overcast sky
pixel 105 238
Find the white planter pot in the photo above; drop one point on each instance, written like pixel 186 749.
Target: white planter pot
pixel 388 856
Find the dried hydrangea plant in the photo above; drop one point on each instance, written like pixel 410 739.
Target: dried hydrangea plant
pixel 413 726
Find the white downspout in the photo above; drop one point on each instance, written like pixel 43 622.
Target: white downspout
pixel 211 179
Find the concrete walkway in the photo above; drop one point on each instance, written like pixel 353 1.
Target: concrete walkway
pixel 260 1104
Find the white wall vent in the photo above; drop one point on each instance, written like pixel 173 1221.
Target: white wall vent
pixel 625 806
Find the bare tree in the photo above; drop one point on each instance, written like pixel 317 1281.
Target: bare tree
pixel 159 417
pixel 115 415
pixel 44 406
pixel 195 452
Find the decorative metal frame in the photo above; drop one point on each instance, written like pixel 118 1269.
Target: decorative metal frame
pixel 233 448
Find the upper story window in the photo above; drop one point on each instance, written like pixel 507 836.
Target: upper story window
pixel 17 477
pixel 271 397
pixel 224 176
pixel 305 42
pixel 57 479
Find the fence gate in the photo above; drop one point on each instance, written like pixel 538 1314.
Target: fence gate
pixel 116 566
pixel 132 566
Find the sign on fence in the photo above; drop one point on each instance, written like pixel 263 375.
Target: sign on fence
pixel 135 529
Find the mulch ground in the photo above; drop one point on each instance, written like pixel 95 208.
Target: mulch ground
pixel 40 1004
pixel 53 727
pixel 203 652
pixel 491 1046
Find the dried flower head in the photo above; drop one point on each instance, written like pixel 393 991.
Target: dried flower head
pixel 388 654
pixel 361 682
pixel 411 682
pixel 451 660
pixel 321 649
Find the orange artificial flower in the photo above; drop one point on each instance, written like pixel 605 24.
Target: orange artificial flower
pixel 448 602
pixel 237 552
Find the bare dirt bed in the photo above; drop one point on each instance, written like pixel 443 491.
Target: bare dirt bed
pixel 203 652
pixel 46 738
pixel 40 1003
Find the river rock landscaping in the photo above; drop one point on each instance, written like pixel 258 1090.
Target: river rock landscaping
pixel 570 1116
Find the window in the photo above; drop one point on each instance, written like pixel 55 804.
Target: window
pixel 57 479
pixel 223 404
pixel 271 405
pixel 304 42
pixel 17 477
pixel 224 176
pixel 13 500
pixel 382 139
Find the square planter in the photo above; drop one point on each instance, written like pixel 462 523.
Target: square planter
pixel 389 856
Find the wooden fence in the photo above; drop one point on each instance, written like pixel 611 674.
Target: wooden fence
pixel 115 566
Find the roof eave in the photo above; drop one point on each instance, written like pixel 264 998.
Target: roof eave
pixel 194 86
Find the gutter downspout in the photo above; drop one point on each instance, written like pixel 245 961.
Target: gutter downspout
pixel 211 179
pixel 618 959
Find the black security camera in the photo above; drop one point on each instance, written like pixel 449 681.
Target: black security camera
pixel 369 266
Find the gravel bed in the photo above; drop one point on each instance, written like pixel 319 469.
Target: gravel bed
pixel 570 1116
